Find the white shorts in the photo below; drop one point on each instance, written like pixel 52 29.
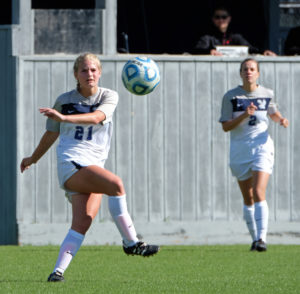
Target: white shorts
pixel 65 169
pixel 261 159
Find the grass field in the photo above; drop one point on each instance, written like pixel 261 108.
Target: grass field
pixel 176 269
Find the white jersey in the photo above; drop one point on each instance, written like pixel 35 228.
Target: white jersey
pixel 255 127
pixel 251 147
pixel 84 144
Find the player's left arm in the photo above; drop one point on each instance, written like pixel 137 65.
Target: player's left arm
pixel 277 117
pixel 94 117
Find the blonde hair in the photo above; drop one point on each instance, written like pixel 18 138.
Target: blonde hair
pixel 81 58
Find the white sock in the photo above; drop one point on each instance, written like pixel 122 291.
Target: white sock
pixel 261 218
pixel 68 250
pixel 118 209
pixel 250 221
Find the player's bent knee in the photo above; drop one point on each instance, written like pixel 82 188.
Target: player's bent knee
pixel 117 187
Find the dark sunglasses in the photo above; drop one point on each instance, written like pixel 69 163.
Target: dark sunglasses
pixel 221 16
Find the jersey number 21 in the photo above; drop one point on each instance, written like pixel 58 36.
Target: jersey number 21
pixel 79 134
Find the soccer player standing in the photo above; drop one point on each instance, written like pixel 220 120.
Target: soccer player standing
pixel 244 113
pixel 82 118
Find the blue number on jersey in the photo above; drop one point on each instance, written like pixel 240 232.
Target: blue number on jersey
pixel 252 120
pixel 89 136
pixel 79 133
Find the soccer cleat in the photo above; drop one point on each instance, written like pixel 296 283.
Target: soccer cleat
pixel 56 277
pixel 141 248
pixel 261 245
pixel 253 246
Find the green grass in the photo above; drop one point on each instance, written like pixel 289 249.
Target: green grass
pixel 176 269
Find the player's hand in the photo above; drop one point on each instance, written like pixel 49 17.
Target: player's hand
pixel 269 53
pixel 52 113
pixel 284 122
pixel 26 163
pixel 250 110
pixel 215 52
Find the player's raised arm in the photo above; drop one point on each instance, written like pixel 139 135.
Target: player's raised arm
pixel 83 118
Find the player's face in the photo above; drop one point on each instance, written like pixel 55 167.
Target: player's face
pixel 221 20
pixel 249 72
pixel 88 74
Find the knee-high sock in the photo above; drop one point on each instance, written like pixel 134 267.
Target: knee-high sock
pixel 118 209
pixel 250 221
pixel 261 219
pixel 68 250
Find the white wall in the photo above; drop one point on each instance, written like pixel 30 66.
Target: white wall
pixel 168 147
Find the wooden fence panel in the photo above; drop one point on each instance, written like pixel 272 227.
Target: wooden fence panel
pixel 168 147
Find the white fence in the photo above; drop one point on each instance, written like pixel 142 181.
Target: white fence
pixel 168 147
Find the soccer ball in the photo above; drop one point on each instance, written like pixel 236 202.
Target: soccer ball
pixel 140 75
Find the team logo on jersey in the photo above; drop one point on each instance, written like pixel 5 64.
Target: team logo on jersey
pixel 240 104
pixel 261 103
pixel 76 108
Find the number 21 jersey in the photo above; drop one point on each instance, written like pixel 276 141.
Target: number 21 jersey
pixel 86 144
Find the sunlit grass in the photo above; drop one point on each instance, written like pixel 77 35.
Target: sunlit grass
pixel 176 269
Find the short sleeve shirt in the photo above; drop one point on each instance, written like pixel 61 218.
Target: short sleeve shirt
pixel 235 103
pixel 85 144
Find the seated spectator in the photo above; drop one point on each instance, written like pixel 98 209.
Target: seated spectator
pixel 292 42
pixel 221 35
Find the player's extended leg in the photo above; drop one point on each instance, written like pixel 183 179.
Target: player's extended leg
pixel 246 188
pixel 260 183
pixel 84 209
pixel 99 180
pixel 94 178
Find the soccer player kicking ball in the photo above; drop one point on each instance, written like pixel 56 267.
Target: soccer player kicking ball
pixel 244 113
pixel 82 118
